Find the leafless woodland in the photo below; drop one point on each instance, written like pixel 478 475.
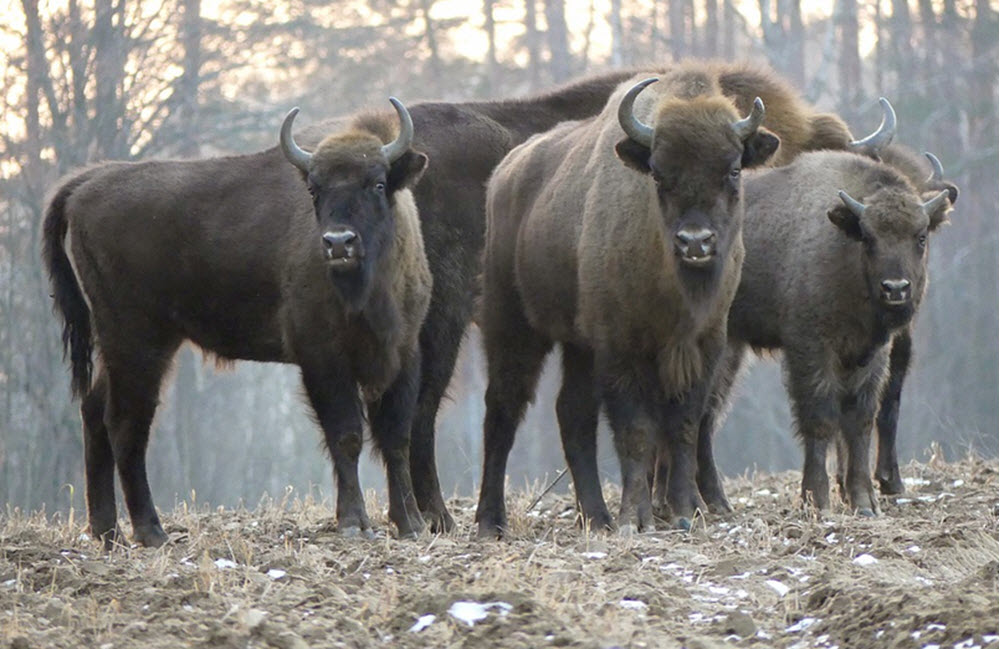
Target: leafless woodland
pixel 86 81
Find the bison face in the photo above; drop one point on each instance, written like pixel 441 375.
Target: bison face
pixel 353 179
pixel 694 156
pixel 892 227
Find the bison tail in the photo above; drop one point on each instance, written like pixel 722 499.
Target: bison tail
pixel 69 300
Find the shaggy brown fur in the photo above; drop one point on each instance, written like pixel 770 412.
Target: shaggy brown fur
pixel 813 289
pixel 576 242
pixel 246 282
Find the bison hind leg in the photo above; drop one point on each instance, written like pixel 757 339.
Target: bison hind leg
pixel 99 463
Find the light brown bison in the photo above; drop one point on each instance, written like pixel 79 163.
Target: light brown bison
pixel 836 256
pixel 630 264
pixel 338 286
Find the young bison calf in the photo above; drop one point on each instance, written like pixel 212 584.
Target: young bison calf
pixel 836 264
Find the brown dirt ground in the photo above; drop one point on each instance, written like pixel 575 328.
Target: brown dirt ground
pixel 923 575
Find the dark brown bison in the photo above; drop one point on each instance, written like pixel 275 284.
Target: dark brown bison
pixel 145 256
pixel 630 264
pixel 927 176
pixel 835 267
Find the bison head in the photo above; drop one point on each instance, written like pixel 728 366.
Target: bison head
pixel 892 226
pixel 353 178
pixel 694 154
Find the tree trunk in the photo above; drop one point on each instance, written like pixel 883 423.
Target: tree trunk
pixel 711 28
pixel 675 15
pixel 850 61
pixel 532 41
pixel 558 37
pixel 617 34
pixel 190 79
pixel 430 35
pixel 108 71
pixel 728 30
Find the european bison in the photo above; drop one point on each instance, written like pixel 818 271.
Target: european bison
pixel 835 267
pixel 532 299
pixel 144 256
pixel 630 264
pixel 925 176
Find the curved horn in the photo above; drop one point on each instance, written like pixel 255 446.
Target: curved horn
pixel 855 206
pixel 747 126
pixel 636 130
pixel 883 134
pixel 295 155
pixel 933 205
pixel 395 149
pixel 937 171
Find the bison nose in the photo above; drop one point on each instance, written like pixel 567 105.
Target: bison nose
pixel 895 291
pixel 342 245
pixel 696 246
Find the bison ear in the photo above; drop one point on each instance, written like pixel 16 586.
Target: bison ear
pixel 759 147
pixel 952 192
pixel 848 222
pixel 940 214
pixel 634 155
pixel 406 171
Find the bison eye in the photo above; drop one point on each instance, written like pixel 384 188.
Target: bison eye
pixel 922 240
pixel 734 173
pixel 379 188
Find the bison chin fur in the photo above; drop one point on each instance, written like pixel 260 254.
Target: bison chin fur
pixel 700 284
pixel 355 287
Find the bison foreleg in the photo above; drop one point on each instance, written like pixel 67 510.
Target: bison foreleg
pixel 390 417
pixel 634 430
pixel 514 362
pixel 333 395
pixel 887 467
pixel 576 409
pixel 856 422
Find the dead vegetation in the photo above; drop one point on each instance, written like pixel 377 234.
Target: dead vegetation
pixel 770 575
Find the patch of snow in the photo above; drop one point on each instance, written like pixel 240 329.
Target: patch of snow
pixel 831 537
pixel 913 549
pixel 422 623
pixel 424 559
pixel 224 564
pixel 763 635
pixel 594 555
pixel 276 573
pixel 934 626
pixel 904 501
pixel 472 612
pixel 970 643
pixel 916 482
pixel 864 560
pixel 762 492
pixel 802 625
pixel 989 638
pixel 10 583
pixel 633 604
pixel 778 587
pixel 390 571
pixel 958 483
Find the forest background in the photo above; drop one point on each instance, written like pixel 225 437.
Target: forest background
pixel 91 80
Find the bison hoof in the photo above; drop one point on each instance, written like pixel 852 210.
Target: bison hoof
pixel 490 530
pixel 440 520
pixel 355 532
pixel 892 486
pixel 150 536
pixel 628 530
pixel 682 523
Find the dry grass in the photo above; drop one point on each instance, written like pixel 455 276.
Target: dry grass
pixel 770 575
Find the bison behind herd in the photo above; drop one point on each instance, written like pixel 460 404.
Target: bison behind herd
pixel 656 224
